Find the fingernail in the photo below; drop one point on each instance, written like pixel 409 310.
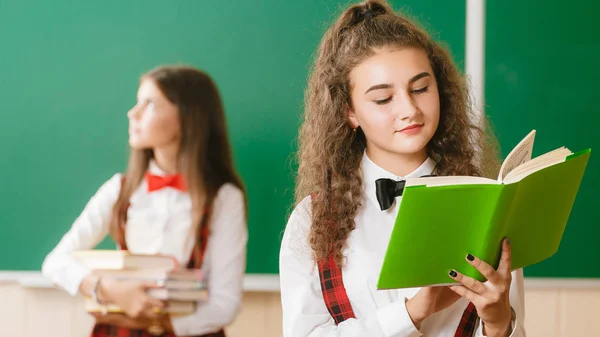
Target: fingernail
pixel 507 241
pixel 470 257
pixel 452 273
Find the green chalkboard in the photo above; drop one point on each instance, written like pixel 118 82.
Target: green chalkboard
pixel 542 73
pixel 69 73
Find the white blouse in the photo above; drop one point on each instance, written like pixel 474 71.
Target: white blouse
pixel 378 312
pixel 159 222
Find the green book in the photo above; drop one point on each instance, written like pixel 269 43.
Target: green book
pixel 442 219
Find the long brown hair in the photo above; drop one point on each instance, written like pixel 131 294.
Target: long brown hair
pixel 330 152
pixel 204 158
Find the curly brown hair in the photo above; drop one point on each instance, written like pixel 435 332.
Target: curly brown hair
pixel 330 152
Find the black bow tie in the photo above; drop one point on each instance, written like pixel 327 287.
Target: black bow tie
pixel 387 190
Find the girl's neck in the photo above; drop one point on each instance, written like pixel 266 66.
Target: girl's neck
pixel 399 164
pixel 166 158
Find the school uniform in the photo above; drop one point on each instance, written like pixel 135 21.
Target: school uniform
pixel 321 299
pixel 159 222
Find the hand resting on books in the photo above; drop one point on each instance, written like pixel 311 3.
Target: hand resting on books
pixel 132 297
pixel 491 298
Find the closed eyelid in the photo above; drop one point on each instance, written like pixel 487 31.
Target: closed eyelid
pixel 420 87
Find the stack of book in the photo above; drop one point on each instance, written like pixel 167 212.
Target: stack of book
pixel 180 288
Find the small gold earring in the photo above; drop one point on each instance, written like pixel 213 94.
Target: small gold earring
pixel 354 130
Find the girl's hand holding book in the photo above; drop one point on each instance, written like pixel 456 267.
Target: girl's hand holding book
pixel 491 298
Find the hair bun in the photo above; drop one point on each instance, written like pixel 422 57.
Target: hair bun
pixel 366 11
pixel 369 10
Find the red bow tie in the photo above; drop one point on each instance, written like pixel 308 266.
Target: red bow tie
pixel 157 182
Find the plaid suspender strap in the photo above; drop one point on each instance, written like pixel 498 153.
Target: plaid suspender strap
pixel 466 327
pixel 332 287
pixel 334 292
pixel 199 249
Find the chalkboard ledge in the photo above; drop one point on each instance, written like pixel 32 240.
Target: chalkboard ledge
pixel 270 282
pixel 34 279
pixel 540 283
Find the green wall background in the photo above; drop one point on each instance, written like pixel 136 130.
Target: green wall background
pixel 69 73
pixel 542 73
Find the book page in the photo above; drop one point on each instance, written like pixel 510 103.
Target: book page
pixel 449 180
pixel 541 162
pixel 519 155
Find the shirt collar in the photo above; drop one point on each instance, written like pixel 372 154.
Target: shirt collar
pixel 372 172
pixel 154 169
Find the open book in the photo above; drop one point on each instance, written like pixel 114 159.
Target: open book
pixel 442 219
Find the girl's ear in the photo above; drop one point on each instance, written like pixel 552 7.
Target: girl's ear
pixel 352 118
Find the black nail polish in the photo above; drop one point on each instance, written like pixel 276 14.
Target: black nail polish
pixel 470 257
pixel 452 273
pixel 507 241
